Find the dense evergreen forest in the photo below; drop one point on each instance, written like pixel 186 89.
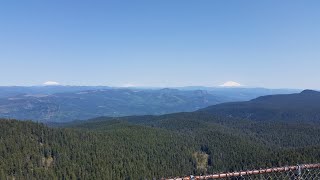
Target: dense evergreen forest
pixel 151 147
pixel 148 147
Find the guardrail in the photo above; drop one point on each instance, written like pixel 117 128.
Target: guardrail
pixel 298 172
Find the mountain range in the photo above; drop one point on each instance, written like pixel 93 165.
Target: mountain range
pixel 67 103
pixel 157 146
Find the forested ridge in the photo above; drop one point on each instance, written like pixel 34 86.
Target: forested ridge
pixel 154 147
pixel 147 147
pixel 299 107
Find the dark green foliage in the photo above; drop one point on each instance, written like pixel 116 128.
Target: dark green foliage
pixel 126 151
pixel 151 147
pixel 146 147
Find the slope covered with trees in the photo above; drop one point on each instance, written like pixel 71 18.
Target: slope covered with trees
pixel 300 107
pixel 139 147
pixel 154 147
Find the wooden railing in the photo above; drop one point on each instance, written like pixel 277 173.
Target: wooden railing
pixel 304 171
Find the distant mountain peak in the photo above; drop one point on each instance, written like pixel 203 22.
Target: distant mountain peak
pixel 231 84
pixel 51 83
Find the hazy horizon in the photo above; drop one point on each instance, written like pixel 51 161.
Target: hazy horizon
pixel 193 87
pixel 155 86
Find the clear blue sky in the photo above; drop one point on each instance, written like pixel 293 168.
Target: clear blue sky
pixel 272 43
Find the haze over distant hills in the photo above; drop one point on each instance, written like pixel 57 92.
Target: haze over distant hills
pixel 267 131
pixel 10 91
pixel 199 142
pixel 299 107
pixel 67 103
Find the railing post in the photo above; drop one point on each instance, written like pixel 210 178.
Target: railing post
pixel 192 177
pixel 299 172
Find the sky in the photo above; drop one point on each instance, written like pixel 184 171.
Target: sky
pixel 273 44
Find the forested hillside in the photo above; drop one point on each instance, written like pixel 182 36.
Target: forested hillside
pixel 300 107
pixel 150 147
pixel 146 147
